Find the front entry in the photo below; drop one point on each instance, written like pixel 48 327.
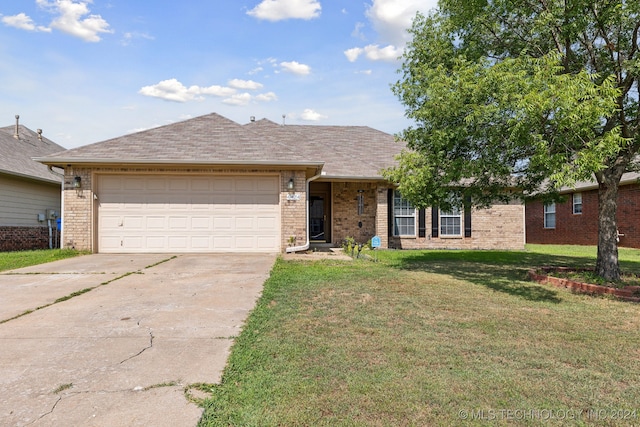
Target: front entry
pixel 320 211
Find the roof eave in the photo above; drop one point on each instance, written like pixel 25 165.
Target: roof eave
pixel 351 178
pixel 62 162
pixel 31 177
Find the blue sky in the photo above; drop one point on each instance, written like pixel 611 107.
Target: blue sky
pixel 85 71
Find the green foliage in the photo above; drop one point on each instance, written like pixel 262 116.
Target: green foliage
pixel 13 260
pixel 528 96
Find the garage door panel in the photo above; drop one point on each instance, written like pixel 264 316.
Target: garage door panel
pixel 156 223
pixel 155 243
pixel 137 184
pixel 135 242
pixel 200 223
pixel 188 213
pixel 223 184
pixel 109 222
pixel 244 223
pixel 178 223
pixel 133 223
pixel 222 223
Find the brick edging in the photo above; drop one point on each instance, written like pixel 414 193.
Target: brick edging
pixel 628 293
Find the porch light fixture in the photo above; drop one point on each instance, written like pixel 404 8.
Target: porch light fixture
pixel 77 182
pixel 291 184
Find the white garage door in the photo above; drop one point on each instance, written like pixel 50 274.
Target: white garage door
pixel 158 213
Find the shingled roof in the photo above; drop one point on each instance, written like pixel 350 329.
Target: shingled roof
pixel 16 154
pixel 345 151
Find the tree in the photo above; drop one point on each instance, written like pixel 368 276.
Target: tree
pixel 527 94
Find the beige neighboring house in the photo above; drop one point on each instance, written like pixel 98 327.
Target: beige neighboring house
pixel 30 193
pixel 209 184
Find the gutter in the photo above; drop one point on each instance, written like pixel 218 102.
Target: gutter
pixel 306 245
pixel 104 161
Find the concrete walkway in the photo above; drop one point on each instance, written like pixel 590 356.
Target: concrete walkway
pixel 122 353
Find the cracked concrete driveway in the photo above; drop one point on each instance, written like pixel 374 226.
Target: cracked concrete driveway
pixel 121 353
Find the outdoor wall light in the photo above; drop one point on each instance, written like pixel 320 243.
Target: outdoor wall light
pixel 77 182
pixel 291 184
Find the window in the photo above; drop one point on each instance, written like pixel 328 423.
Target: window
pixel 577 203
pixel 451 222
pixel 404 216
pixel 550 215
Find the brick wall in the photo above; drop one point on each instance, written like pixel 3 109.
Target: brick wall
pixel 294 210
pixel 499 227
pixel 345 218
pixel 26 238
pixel 582 229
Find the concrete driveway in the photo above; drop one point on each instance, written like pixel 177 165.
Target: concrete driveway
pixel 122 353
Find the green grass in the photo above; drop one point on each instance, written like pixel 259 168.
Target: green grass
pixel 12 260
pixel 422 336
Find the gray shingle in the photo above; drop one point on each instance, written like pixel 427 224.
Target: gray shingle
pixel 347 151
pixel 16 155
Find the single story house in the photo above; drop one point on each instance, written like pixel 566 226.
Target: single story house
pixel 30 193
pixel 210 184
pixel 575 221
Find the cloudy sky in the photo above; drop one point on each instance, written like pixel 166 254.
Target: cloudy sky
pixel 89 70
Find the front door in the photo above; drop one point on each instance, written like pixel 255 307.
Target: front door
pixel 320 212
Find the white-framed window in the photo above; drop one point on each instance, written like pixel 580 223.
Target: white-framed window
pixel 550 215
pixel 451 222
pixel 577 203
pixel 404 216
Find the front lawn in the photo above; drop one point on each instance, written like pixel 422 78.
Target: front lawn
pixel 432 338
pixel 12 260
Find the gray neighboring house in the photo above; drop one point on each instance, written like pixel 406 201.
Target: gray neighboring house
pixel 30 194
pixel 210 184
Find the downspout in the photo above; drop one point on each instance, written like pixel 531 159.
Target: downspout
pixel 306 245
pixel 61 175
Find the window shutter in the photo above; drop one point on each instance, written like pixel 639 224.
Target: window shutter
pixel 390 212
pixel 434 221
pixel 467 216
pixel 422 223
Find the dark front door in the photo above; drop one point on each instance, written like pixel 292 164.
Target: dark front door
pixel 319 212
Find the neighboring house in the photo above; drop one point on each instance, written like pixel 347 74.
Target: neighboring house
pixel 209 184
pixel 29 193
pixel 575 221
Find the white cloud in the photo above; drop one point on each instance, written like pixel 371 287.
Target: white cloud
pixel 311 116
pixel 392 18
pixel 374 52
pixel 214 90
pixel 357 31
pixel 23 22
pixel 277 10
pixel 173 90
pixel 296 68
pixel 266 97
pixel 128 37
pixel 353 53
pixel 238 99
pixel 70 19
pixel 245 84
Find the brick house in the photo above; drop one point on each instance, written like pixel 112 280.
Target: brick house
pixel 209 184
pixel 575 221
pixel 29 193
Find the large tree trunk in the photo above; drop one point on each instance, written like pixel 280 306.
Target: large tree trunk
pixel 607 265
